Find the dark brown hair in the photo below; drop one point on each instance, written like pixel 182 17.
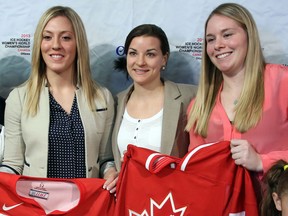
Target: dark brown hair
pixel 275 180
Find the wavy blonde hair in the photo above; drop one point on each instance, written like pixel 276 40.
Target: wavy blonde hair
pixel 82 77
pixel 248 111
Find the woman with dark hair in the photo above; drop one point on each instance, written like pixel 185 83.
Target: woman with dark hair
pixel 275 199
pixel 151 113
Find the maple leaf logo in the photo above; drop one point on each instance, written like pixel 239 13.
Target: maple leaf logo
pixel 164 208
pixel 132 213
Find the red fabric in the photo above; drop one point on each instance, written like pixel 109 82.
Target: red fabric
pixel 94 200
pixel 204 182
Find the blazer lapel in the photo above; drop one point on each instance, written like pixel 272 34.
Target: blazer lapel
pixel 171 114
pixel 121 104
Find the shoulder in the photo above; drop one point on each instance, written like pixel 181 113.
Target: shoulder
pixel 185 90
pixel 106 96
pixel 18 92
pixel 125 92
pixel 276 72
pixel 280 68
pixel 105 91
pixel 275 81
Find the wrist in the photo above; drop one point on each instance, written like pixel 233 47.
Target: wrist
pixel 107 166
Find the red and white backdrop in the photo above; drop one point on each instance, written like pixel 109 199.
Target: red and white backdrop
pixel 108 22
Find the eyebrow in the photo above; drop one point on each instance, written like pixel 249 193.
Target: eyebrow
pixel 223 30
pixel 62 32
pixel 148 50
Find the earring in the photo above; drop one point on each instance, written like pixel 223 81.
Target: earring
pixel 163 67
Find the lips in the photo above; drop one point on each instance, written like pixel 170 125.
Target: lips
pixel 56 56
pixel 141 71
pixel 223 55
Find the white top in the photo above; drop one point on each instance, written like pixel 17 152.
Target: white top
pixel 140 132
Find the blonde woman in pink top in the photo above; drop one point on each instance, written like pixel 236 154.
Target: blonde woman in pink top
pixel 240 98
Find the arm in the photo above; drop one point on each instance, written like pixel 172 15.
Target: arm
pixel 277 89
pixel 270 158
pixel 107 169
pixel 105 149
pixel 1 143
pixel 14 144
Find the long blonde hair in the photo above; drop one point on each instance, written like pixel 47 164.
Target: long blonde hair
pixel 248 111
pixel 82 77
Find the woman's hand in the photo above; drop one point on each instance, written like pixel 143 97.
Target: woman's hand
pixel 245 155
pixel 111 177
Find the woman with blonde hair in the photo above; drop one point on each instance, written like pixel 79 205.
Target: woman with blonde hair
pixel 58 123
pixel 240 98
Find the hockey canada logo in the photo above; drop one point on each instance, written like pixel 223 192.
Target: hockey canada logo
pixel 167 207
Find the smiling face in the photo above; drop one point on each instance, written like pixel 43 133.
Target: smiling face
pixel 226 44
pixel 145 60
pixel 58 46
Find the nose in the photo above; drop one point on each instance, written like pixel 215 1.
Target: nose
pixel 140 60
pixel 218 44
pixel 56 45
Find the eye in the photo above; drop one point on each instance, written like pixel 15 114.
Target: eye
pixel 132 53
pixel 210 39
pixel 66 38
pixel 46 37
pixel 227 35
pixel 151 54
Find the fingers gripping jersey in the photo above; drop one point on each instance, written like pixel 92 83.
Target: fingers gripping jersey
pixel 31 196
pixel 204 182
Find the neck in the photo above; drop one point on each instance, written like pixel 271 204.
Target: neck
pixel 60 81
pixel 233 85
pixel 148 90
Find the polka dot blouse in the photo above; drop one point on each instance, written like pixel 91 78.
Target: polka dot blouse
pixel 66 151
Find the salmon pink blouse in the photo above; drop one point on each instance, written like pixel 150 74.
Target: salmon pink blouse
pixel 270 136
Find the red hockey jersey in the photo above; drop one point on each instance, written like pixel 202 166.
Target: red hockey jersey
pixel 29 196
pixel 204 182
